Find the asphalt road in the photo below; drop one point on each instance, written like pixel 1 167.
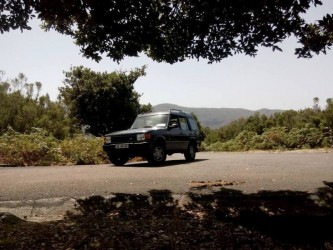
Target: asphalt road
pixel 248 172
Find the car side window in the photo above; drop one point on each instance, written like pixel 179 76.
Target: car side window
pixel 173 122
pixel 183 124
pixel 193 123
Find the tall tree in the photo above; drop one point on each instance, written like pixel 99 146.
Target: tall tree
pixel 316 104
pixel 22 108
pixel 173 30
pixel 328 113
pixel 102 102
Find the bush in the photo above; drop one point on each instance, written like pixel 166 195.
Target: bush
pixel 36 148
pixel 306 138
pixel 228 146
pixel 83 150
pixel 275 138
pixel 40 149
pixel 243 140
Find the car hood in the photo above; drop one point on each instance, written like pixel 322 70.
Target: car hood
pixel 131 131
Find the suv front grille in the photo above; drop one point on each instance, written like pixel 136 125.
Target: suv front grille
pixel 123 138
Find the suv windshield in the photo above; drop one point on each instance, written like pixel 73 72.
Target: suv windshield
pixel 149 121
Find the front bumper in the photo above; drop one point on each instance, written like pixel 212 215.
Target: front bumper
pixel 133 149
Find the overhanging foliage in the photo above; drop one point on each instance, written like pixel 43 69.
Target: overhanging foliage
pixel 173 30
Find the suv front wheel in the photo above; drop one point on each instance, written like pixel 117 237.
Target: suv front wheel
pixel 118 160
pixel 157 155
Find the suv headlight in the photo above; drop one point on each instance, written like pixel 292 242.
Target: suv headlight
pixel 107 139
pixel 142 137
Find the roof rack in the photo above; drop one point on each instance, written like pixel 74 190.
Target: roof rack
pixel 180 112
pixel 176 110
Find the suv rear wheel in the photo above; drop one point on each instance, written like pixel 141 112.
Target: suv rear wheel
pixel 190 152
pixel 157 155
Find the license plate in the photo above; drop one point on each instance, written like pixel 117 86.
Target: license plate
pixel 119 146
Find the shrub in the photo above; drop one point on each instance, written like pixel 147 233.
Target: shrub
pixel 274 138
pixel 228 146
pixel 243 139
pixel 83 149
pixel 41 149
pixel 36 148
pixel 305 138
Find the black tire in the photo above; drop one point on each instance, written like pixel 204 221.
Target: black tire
pixel 190 152
pixel 118 160
pixel 157 155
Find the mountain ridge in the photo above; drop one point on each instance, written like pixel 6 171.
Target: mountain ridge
pixel 216 117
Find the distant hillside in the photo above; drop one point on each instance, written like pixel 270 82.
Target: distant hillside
pixel 215 117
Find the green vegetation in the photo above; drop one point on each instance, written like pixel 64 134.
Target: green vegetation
pixel 37 131
pixel 38 148
pixel 23 108
pixel 304 129
pixel 102 102
pixel 172 31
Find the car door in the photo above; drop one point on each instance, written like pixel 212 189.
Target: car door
pixel 184 133
pixel 173 135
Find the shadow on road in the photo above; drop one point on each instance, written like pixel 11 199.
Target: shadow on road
pixel 223 219
pixel 167 163
pixel 298 218
pixel 288 218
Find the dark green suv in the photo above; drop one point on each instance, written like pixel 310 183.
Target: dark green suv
pixel 154 136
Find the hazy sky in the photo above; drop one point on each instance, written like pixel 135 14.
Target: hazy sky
pixel 270 80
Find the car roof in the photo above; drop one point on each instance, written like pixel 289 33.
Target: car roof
pixel 171 111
